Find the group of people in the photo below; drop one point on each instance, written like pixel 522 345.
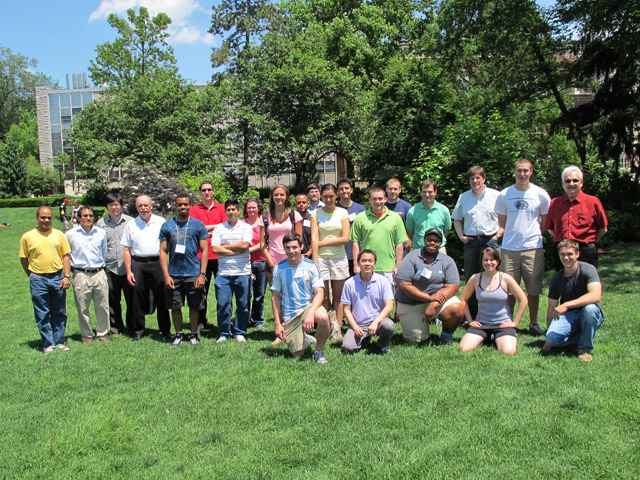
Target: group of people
pixel 327 260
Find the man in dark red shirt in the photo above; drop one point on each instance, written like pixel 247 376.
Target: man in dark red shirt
pixel 577 216
pixel 211 214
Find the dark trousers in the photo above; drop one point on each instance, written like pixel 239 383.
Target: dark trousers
pixel 149 276
pixel 588 254
pixel 118 286
pixel 212 271
pixel 473 263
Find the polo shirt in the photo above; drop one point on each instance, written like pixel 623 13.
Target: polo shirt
pixel 88 250
pixel 189 234
pixel 577 219
pixel 353 211
pixel 420 219
pixel 143 238
pixel 311 208
pixel 401 207
pixel 209 216
pixel 523 209
pixel 567 288
pixel 366 300
pixel 224 234
pixel 297 285
pixel 477 213
pixel 427 277
pixel 115 251
pixel 380 235
pixel 44 250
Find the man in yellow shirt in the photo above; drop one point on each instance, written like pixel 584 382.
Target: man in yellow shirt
pixel 44 254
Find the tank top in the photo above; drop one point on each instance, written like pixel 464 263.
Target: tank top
pixel 493 308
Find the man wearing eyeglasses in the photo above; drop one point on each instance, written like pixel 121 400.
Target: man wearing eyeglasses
pixel 577 216
pixel 211 214
pixel 88 259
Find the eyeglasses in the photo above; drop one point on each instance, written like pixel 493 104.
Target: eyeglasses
pixel 88 215
pixel 572 180
pixel 206 189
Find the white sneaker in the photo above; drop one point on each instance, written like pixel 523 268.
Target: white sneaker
pixel 240 338
pixel 308 340
pixel 221 340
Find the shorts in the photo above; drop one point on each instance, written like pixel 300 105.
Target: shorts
pixel 527 265
pixel 293 331
pixel 336 268
pixel 389 276
pixel 487 330
pixel 413 328
pixel 185 287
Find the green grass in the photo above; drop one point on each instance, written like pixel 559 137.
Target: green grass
pixel 145 410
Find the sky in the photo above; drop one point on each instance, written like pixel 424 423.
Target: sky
pixel 61 35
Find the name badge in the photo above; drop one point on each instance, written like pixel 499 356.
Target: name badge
pixel 322 218
pixel 306 223
pixel 352 216
pixel 426 273
pixel 180 248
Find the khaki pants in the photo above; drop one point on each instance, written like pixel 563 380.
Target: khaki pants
pixel 92 286
pixel 413 328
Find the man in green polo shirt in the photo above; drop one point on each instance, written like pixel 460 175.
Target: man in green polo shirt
pixel 382 231
pixel 426 215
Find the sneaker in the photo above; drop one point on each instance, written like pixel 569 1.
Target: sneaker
pixel 193 339
pixel 534 329
pixel 336 332
pixel 446 340
pixel 47 351
pixel 318 357
pixel 200 327
pixel 178 340
pixel 63 347
pixel 221 339
pixel 240 338
pixel 382 350
pixel 308 340
pixel 584 355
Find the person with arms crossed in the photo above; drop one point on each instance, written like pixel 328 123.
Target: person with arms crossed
pixel 574 312
pixel 88 259
pixel 367 299
pixel 297 293
pixel 426 215
pixel 44 255
pixel 181 238
pixel 521 209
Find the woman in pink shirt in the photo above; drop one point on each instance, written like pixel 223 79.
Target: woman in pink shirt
pixel 253 210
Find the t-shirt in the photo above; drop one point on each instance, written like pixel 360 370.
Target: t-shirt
pixel 401 207
pixel 44 250
pixel 256 256
pixel 209 216
pixel 224 234
pixel 380 235
pixel 523 209
pixel 187 234
pixel 277 231
pixel 297 285
pixel 353 211
pixel 427 277
pixel 420 219
pixel 569 288
pixel 330 227
pixel 367 301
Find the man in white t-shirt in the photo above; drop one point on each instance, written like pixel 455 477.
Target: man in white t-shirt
pixel 521 209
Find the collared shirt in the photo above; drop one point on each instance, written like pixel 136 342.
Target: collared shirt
pixel 297 285
pixel 477 213
pixel 88 250
pixel 224 234
pixel 44 250
pixel 578 219
pixel 427 277
pixel 115 250
pixel 209 216
pixel 187 234
pixel 421 218
pixel 380 235
pixel 523 209
pixel 311 208
pixel 143 238
pixel 366 300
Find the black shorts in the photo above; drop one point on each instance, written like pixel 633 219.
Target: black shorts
pixel 497 332
pixel 185 287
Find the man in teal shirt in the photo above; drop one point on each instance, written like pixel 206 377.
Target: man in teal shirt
pixel 426 215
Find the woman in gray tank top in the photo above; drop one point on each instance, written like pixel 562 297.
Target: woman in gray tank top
pixel 492 289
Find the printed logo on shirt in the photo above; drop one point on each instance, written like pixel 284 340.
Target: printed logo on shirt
pixel 522 205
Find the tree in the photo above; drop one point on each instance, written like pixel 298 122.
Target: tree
pixel 140 50
pixel 13 171
pixel 17 87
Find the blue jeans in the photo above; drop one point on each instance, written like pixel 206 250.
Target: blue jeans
pixel 50 307
pixel 576 326
pixel 226 287
pixel 259 287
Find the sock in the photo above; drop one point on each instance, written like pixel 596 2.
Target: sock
pixel 446 335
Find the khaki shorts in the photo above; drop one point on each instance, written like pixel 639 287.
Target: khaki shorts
pixel 413 328
pixel 334 268
pixel 293 332
pixel 527 265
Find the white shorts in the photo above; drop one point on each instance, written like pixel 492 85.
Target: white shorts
pixel 334 268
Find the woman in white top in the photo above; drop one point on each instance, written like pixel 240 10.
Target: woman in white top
pixel 329 234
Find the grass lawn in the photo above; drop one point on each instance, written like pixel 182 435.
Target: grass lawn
pixel 145 410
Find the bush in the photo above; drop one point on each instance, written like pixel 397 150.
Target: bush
pixel 41 181
pixel 53 201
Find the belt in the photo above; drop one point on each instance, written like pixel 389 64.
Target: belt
pixel 87 270
pixel 49 275
pixel 146 259
pixel 481 237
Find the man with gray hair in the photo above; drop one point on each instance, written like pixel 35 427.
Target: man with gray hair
pixel 577 216
pixel 141 241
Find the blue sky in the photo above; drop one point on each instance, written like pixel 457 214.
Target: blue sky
pixel 62 34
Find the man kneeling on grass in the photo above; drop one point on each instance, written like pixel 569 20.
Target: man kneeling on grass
pixel 578 315
pixel 368 301
pixel 297 296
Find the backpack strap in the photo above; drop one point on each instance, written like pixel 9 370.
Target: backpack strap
pixel 265 220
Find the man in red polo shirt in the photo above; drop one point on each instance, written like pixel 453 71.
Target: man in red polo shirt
pixel 577 216
pixel 211 214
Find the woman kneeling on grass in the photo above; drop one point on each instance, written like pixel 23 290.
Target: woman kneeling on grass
pixel 492 289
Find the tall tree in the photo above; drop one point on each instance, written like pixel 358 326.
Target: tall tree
pixel 13 171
